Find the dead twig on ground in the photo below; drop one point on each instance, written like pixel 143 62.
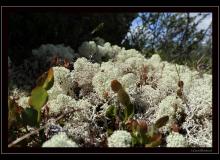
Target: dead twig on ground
pixel 37 130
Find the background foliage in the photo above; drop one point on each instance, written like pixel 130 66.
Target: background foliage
pixel 175 36
pixel 172 35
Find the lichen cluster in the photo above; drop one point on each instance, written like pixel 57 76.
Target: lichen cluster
pixel 151 84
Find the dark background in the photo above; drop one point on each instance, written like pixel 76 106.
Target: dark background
pixel 28 31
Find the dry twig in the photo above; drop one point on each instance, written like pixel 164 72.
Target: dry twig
pixel 37 130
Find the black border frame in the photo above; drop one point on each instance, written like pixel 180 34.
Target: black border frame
pixel 5 10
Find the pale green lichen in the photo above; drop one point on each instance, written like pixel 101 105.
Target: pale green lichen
pixel 60 140
pixel 78 126
pixel 88 49
pixel 170 106
pixel 86 110
pixel 78 131
pixel 176 140
pixel 173 107
pixel 120 138
pixel 152 100
pixel 198 123
pixel 84 71
pixel 151 96
pixel 123 55
pixel 96 52
pixel 129 80
pixel 23 102
pixel 102 80
pixel 155 60
pixel 135 62
pixel 62 82
pixel 62 101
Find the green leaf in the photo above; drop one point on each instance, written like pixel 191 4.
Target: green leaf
pixel 46 80
pixel 134 140
pixel 111 112
pixel 162 121
pixel 142 139
pixel 129 111
pixel 29 117
pixel 125 101
pixel 122 115
pixel 38 98
pixel 123 97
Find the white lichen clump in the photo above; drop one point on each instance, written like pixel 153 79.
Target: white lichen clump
pixel 78 125
pixel 84 71
pixel 176 140
pixel 23 102
pixel 61 102
pixel 48 51
pixel 59 140
pixel 88 86
pixel 91 50
pixel 120 138
pixel 171 105
pixel 62 83
pixel 158 97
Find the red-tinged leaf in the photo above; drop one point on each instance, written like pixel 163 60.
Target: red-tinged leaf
pixel 142 125
pixel 162 121
pixel 116 85
pixel 180 84
pixel 46 80
pixel 131 124
pixel 156 137
pixel 155 141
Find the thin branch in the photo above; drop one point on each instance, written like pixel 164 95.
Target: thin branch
pixel 37 130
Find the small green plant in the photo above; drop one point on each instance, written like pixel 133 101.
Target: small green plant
pixel 144 134
pixel 111 112
pixel 179 91
pixel 31 116
pixel 124 99
pixel 37 100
